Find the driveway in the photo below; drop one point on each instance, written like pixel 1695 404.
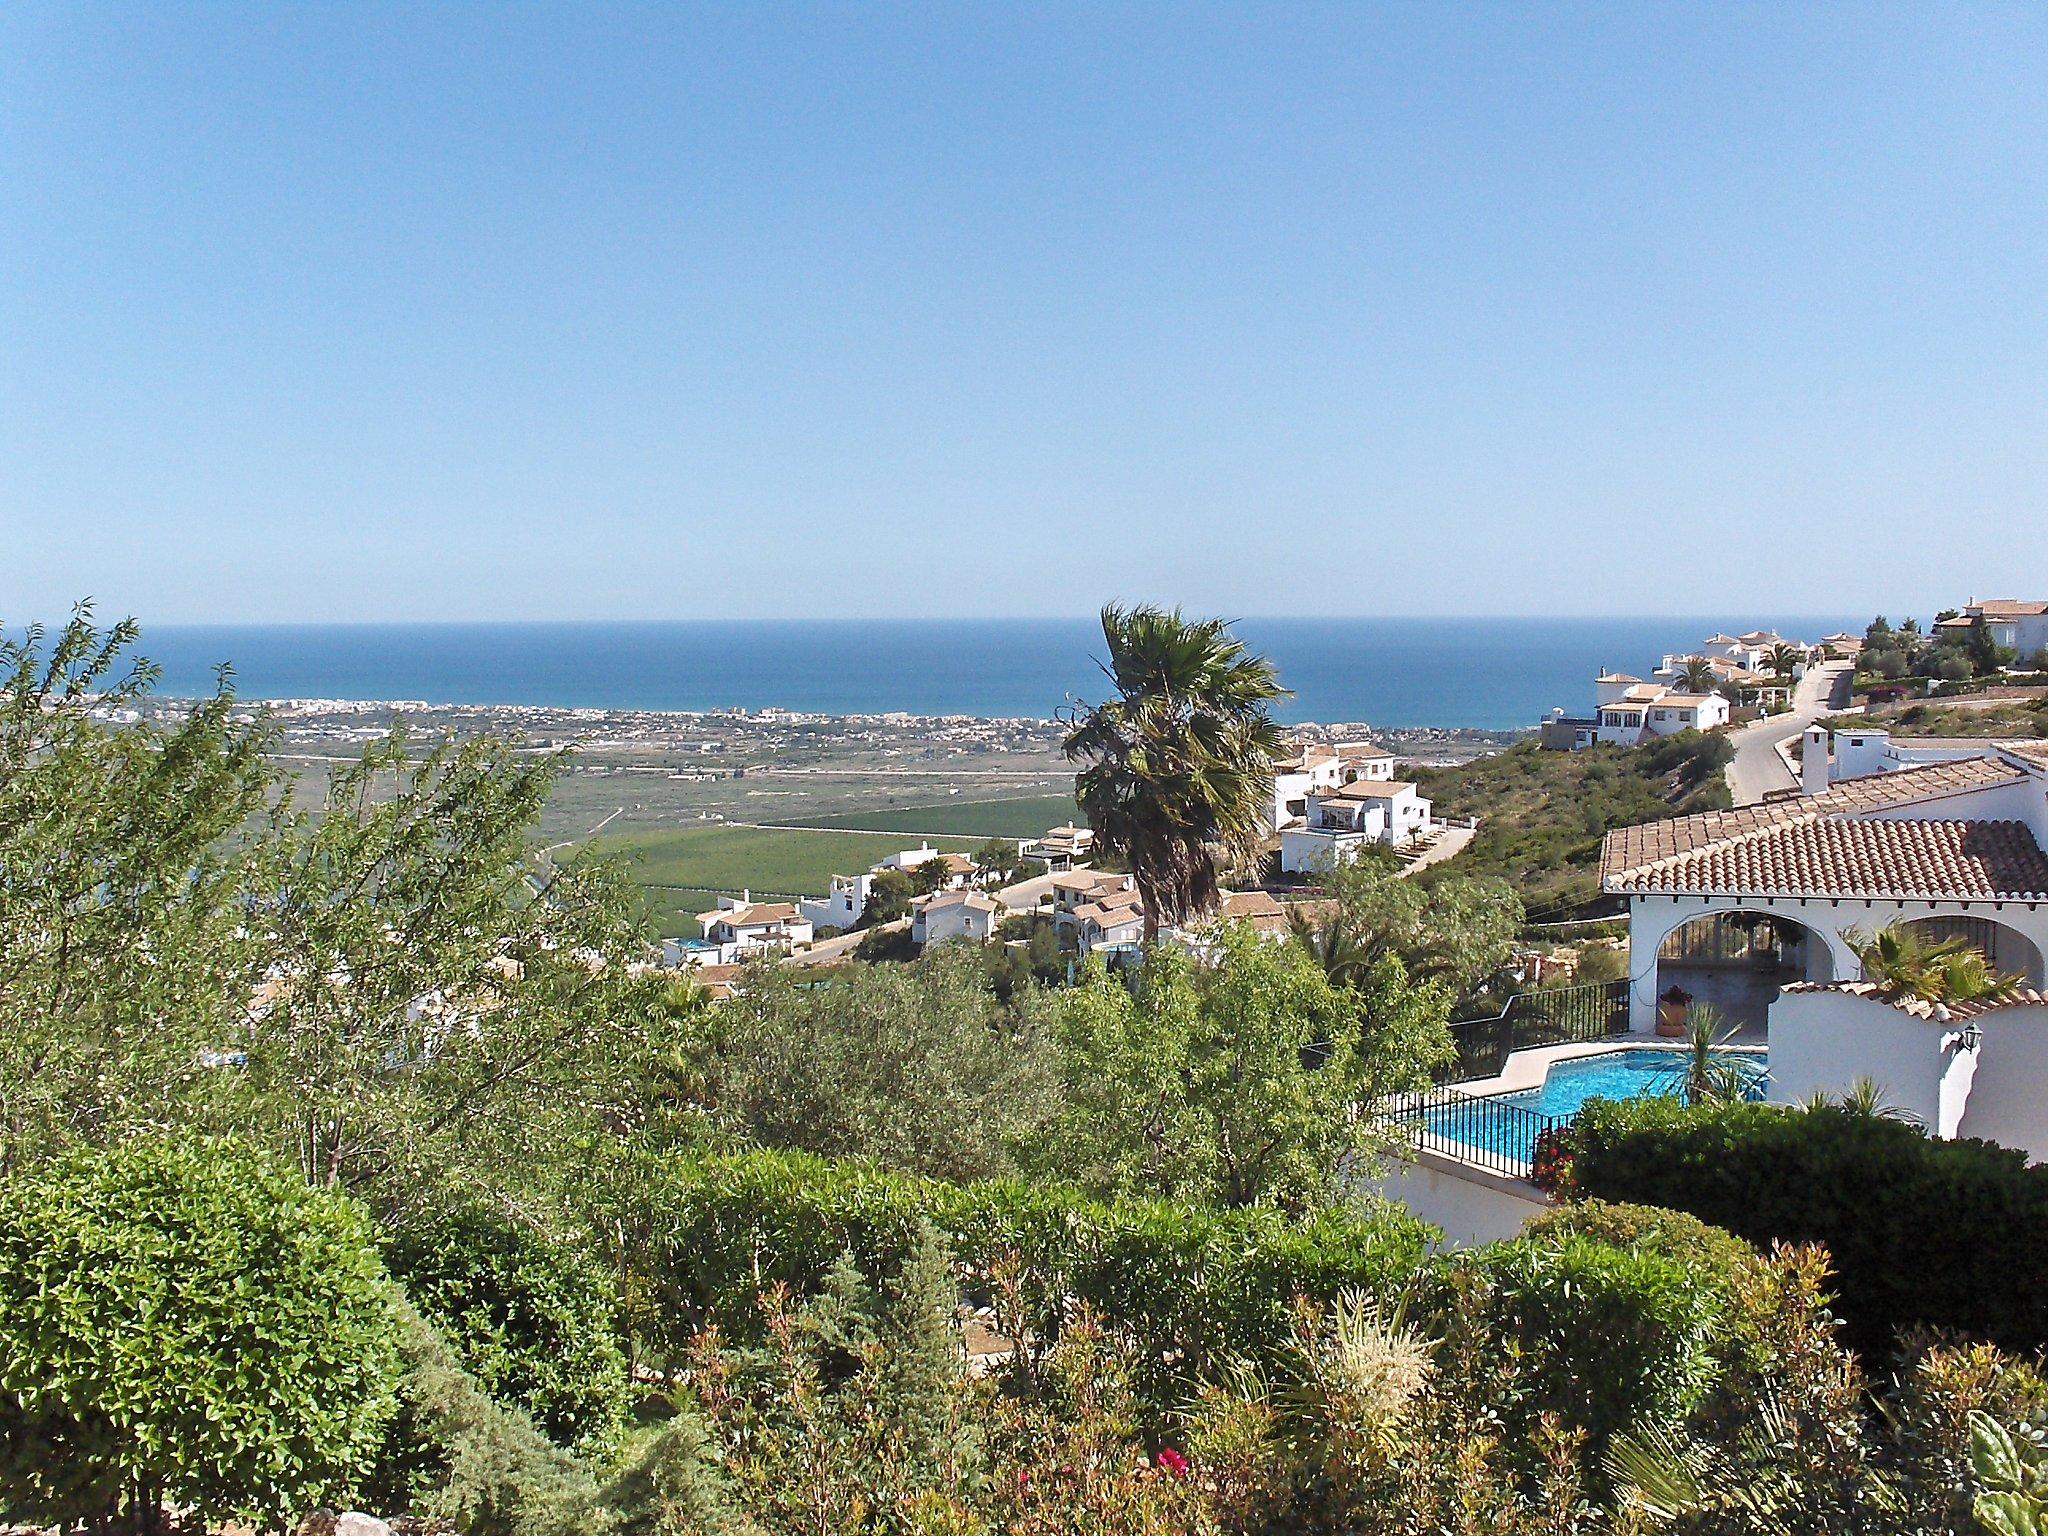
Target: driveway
pixel 1758 769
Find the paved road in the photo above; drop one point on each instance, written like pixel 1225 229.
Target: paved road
pixel 1757 769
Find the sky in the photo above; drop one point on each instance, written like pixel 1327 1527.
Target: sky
pixel 599 311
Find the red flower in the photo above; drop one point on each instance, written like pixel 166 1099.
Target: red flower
pixel 1174 1462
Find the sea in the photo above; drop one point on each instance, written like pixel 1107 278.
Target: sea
pixel 1484 673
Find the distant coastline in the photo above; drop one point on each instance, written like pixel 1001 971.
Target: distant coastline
pixel 1454 673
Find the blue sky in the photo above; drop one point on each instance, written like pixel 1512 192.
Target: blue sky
pixel 590 311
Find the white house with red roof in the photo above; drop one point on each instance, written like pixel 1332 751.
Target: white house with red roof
pixel 1309 766
pixel 1342 821
pixel 748 928
pixel 1732 906
pixel 2014 624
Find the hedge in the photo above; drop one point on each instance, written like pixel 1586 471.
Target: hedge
pixel 529 1315
pixel 186 1322
pixel 1188 1288
pixel 1922 1233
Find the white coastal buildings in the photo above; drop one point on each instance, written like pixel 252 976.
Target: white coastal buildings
pixel 2011 624
pixel 960 914
pixel 743 928
pixel 1342 821
pixel 1690 691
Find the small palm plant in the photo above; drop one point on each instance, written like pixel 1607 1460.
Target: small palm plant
pixel 1866 1100
pixel 1953 970
pixel 1704 1070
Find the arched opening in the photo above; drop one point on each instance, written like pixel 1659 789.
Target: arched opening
pixel 1737 961
pixel 2007 949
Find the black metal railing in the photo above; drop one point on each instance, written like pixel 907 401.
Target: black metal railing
pixel 1558 1016
pixel 1486 1132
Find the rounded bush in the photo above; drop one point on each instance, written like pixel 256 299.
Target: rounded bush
pixel 530 1316
pixel 187 1322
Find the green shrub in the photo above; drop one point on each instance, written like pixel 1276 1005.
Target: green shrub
pixel 1708 1251
pixel 1922 1233
pixel 186 1322
pixel 1190 1288
pixel 1610 1337
pixel 530 1317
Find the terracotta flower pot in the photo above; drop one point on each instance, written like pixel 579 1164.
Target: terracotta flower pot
pixel 1671 1019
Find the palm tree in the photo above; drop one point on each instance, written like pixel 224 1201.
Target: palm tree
pixel 1180 762
pixel 1951 970
pixel 1783 658
pixel 1698 675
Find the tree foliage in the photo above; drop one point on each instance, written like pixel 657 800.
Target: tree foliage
pixel 1240 1082
pixel 918 1067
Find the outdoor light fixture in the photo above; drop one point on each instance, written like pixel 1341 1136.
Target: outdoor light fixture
pixel 1968 1038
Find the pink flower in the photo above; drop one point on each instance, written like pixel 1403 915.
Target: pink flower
pixel 1174 1462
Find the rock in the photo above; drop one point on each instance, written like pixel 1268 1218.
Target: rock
pixel 355 1523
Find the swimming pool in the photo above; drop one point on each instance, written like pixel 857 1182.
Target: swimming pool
pixel 1505 1125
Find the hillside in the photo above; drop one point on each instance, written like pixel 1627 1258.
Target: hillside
pixel 1991 718
pixel 1542 814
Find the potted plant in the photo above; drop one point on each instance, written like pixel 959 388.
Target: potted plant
pixel 1672 1007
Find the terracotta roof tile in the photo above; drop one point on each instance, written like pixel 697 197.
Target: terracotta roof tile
pixel 1919 1007
pixel 1829 845
pixel 1841 856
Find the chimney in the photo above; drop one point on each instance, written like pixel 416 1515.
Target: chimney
pixel 1813 760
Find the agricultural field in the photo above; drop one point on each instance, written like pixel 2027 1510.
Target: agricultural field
pixel 685 871
pixel 1020 817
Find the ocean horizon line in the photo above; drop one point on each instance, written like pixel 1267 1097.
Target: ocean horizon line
pixel 1484 674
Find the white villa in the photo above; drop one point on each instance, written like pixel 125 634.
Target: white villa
pixel 745 928
pixel 1061 849
pixel 1313 766
pixel 947 915
pixel 1732 905
pixel 1343 820
pixel 2018 626
pixel 842 905
pixel 1629 710
pixel 1099 910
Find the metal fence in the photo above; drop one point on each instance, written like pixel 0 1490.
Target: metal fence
pixel 1486 1132
pixel 1554 1017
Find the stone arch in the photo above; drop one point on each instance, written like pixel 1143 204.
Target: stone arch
pixel 1734 954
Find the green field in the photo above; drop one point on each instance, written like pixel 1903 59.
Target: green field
pixel 1023 817
pixel 686 870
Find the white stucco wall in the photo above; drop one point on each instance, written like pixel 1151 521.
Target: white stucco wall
pixel 1472 1207
pixel 1821 1042
pixel 2008 1101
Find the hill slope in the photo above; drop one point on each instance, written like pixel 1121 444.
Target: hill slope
pixel 1542 814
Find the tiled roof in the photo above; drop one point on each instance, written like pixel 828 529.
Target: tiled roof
pixel 1366 789
pixel 2035 752
pixel 972 899
pixel 1841 856
pixel 2007 609
pixel 1818 845
pixel 758 916
pixel 1919 1007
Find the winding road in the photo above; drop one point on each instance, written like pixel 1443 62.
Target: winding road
pixel 1758 769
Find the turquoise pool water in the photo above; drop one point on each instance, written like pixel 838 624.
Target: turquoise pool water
pixel 1506 1124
